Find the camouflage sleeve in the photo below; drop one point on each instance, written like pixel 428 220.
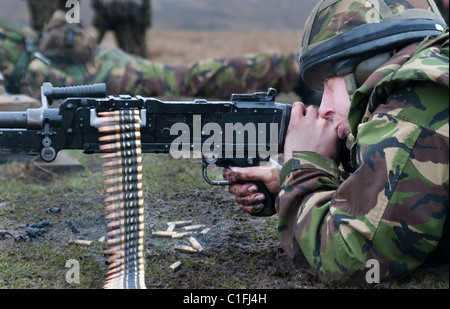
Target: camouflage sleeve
pixel 123 73
pixel 392 209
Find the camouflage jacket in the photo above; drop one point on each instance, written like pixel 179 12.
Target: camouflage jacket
pixel 392 209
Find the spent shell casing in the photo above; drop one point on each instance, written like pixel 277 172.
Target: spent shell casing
pixel 121 145
pixel 127 161
pixel 81 242
pixel 205 231
pixel 163 234
pixel 120 137
pixel 180 223
pixel 120 128
pixel 193 227
pixel 181 235
pixel 175 266
pixel 195 244
pixel 186 249
pixel 171 227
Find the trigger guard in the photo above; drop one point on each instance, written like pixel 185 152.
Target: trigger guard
pixel 212 182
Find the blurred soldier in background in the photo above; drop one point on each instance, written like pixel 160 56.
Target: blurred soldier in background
pixel 128 19
pixel 25 70
pixel 42 10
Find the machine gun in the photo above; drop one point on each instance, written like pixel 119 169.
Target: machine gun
pixel 242 132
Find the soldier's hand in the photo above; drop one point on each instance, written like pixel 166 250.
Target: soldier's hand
pixel 308 131
pixel 247 194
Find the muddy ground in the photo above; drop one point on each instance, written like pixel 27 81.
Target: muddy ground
pixel 241 252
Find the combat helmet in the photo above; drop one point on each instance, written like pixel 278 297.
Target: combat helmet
pixel 343 37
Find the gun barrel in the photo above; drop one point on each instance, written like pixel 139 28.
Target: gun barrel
pixel 13 120
pixel 32 118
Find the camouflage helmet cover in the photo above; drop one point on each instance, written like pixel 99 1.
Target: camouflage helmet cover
pixel 339 34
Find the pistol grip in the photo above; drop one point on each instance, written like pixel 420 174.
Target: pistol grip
pixel 269 202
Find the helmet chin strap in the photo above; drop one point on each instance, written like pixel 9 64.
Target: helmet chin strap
pixel 365 68
pixel 350 84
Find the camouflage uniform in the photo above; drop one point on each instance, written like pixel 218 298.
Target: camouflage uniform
pixel 129 19
pixel 123 73
pixel 393 208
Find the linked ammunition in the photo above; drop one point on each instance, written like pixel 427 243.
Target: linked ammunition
pixel 126 221
pixel 120 116
pixel 125 230
pixel 124 214
pixel 124 179
pixel 124 202
pixel 130 195
pixel 125 238
pixel 121 254
pixel 124 205
pixel 120 145
pixel 126 187
pixel 125 247
pixel 120 128
pixel 124 162
pixel 126 170
pixel 134 152
pixel 120 137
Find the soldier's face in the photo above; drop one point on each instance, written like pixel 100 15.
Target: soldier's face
pixel 335 105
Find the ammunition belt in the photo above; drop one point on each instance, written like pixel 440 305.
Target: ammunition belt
pixel 124 199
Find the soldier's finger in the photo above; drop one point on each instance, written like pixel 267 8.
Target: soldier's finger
pixel 251 200
pixel 254 173
pixel 242 190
